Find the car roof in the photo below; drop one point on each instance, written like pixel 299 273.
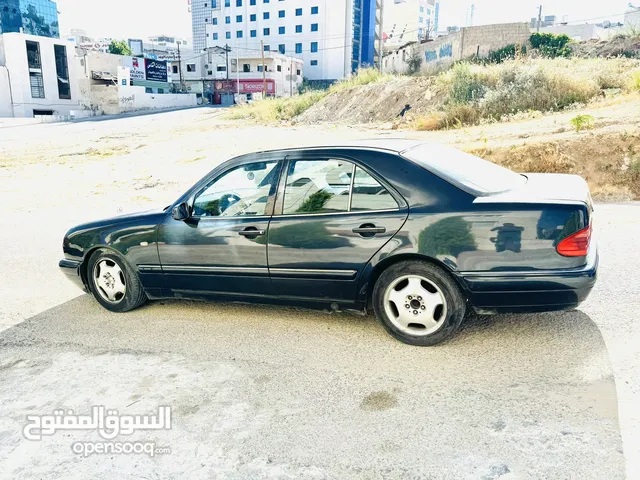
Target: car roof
pixel 396 145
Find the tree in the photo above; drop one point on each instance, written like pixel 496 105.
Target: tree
pixel 120 47
pixel 414 62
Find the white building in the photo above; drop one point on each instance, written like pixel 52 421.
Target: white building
pixel 280 75
pixel 37 76
pixel 410 21
pixel 332 37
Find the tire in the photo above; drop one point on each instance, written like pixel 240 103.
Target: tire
pixel 436 306
pixel 104 262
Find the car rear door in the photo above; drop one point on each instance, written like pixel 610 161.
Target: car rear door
pixel 331 216
pixel 221 248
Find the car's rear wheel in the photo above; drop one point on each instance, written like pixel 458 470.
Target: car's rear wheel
pixel 418 303
pixel 113 282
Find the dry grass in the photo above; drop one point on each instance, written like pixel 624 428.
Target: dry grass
pixel 427 123
pixel 609 162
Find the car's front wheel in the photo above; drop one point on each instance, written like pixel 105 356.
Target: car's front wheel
pixel 113 283
pixel 418 303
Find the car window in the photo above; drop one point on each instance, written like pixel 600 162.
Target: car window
pixel 368 194
pixel 317 186
pixel 242 191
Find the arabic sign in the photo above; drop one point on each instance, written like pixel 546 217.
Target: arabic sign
pixel 155 70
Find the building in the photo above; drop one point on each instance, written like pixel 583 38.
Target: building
pixel 332 37
pixel 632 17
pixel 545 21
pixel 247 73
pixel 410 21
pixel 37 76
pixel 33 17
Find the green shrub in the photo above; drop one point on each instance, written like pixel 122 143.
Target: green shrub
pixel 465 85
pixel 582 122
pixel 551 45
pixel 509 52
pixel 635 80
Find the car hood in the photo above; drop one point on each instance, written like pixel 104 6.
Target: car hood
pixel 146 216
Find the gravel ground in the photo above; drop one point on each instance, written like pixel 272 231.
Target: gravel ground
pixel 273 392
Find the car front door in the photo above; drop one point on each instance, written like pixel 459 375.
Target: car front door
pixel 331 216
pixel 221 248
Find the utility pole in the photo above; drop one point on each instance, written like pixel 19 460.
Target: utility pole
pixel 180 69
pixel 237 71
pixel 226 52
pixel 291 78
pixel 264 72
pixel 539 18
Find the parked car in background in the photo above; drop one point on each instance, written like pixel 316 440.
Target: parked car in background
pixel 420 233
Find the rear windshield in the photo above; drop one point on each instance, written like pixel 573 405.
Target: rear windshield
pixel 472 174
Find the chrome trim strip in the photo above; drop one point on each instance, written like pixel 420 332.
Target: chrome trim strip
pixel 357 212
pixel 353 178
pixel 302 272
pixel 202 269
pixel 149 268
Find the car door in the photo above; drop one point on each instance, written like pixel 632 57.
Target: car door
pixel 332 215
pixel 221 248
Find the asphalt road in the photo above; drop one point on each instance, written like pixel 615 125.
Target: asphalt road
pixel 268 392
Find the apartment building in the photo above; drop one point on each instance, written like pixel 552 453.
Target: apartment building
pixel 37 76
pixel 333 38
pixel 410 21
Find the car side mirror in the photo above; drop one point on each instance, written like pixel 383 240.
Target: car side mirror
pixel 181 211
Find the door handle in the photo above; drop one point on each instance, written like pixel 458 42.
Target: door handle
pixel 369 230
pixel 251 232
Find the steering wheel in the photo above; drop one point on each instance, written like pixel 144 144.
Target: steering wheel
pixel 227 200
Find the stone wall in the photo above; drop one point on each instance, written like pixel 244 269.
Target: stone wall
pixel 467 42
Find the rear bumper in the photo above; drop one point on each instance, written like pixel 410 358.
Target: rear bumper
pixel 535 291
pixel 71 268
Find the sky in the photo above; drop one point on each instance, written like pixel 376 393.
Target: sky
pixel 145 18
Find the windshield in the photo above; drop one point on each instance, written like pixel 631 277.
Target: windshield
pixel 474 175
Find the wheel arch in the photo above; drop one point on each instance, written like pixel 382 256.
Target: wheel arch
pixel 87 256
pixel 392 260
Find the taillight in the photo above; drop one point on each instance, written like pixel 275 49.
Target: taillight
pixel 576 245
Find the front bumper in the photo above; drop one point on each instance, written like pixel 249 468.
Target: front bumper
pixel 71 268
pixel 535 291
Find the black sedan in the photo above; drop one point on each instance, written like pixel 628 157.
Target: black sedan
pixel 419 232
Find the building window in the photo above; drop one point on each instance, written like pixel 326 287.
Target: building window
pixel 238 3
pixel 420 20
pixel 161 90
pixel 227 19
pixel 215 36
pixel 33 55
pixel 260 68
pixel 298 28
pixel 281 30
pixel 281 14
pixel 227 3
pixel 239 34
pixel 174 68
pixel 281 48
pixel 314 63
pixel 252 2
pixel 265 1
pixel 265 16
pixel 314 47
pixel 238 18
pixel 314 10
pixel 246 68
pixel 62 71
pixel 253 33
pixel 37 85
pixel 221 68
pixel 265 31
pixel 314 27
pixel 214 21
pixel 209 72
pixel 279 68
pixel 148 90
pixel 252 17
pixel 227 35
pixel 298 12
pixel 298 48
pixel 267 48
pixel 298 72
pixel 191 67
